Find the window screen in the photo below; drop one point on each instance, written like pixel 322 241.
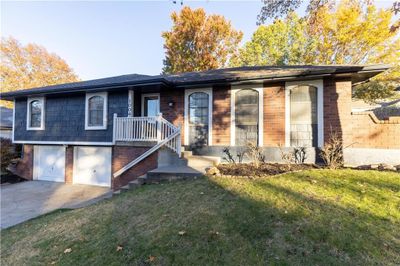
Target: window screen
pixel 303 116
pixel 246 117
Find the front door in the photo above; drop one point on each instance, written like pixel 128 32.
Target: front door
pixel 150 104
pixel 198 109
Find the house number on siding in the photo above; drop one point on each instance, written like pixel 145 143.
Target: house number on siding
pixel 130 103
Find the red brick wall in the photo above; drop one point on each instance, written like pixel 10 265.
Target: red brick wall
pixel 122 155
pixel 221 112
pixel 370 132
pixel 274 114
pixel 221 115
pixel 337 109
pixel 362 130
pixel 24 167
pixel 69 161
pixel 173 114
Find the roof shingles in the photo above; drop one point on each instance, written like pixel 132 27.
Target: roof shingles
pixel 217 75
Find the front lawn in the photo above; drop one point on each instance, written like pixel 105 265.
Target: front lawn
pixel 322 217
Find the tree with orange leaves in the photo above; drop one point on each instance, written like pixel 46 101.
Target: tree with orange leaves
pixel 30 66
pixel 198 41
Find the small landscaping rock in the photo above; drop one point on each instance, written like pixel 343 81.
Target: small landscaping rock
pixel 364 167
pixel 374 166
pixel 385 166
pixel 213 171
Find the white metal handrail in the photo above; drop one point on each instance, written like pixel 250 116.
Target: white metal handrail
pixel 146 154
pixel 152 128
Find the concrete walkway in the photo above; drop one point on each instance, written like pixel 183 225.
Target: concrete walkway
pixel 23 201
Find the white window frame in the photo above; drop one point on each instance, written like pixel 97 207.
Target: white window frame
pixel 28 113
pixel 319 84
pixel 105 110
pixel 208 91
pixel 150 95
pixel 260 90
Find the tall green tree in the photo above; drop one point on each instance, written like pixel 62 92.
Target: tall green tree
pixel 284 42
pixel 198 41
pixel 355 33
pixel 29 66
pixel 350 32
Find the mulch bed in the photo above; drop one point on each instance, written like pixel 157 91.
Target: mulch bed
pixel 243 169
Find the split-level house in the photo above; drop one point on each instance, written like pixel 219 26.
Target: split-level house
pixel 110 131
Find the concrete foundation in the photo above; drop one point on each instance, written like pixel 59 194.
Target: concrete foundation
pixel 364 156
pixel 272 154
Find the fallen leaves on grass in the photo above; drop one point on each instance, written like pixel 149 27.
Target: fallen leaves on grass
pixel 214 233
pixel 151 258
pixel 68 250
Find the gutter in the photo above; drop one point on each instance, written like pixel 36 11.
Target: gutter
pixel 45 90
pixel 249 81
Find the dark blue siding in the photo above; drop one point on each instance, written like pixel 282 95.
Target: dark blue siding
pixel 65 119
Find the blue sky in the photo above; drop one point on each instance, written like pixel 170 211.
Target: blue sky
pixel 101 39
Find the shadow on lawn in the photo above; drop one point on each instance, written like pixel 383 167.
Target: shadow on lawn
pixel 314 229
pixel 354 184
pixel 393 186
pixel 259 222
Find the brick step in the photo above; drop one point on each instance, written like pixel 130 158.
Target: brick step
pixel 168 158
pixel 185 154
pixel 169 173
pixel 132 184
pixel 202 161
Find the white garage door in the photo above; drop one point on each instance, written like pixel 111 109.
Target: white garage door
pixel 92 166
pixel 49 163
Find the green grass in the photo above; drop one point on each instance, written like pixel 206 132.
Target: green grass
pixel 316 217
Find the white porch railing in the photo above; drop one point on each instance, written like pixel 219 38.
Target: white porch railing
pixel 136 128
pixel 151 128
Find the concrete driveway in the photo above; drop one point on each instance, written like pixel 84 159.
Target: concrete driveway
pixel 23 201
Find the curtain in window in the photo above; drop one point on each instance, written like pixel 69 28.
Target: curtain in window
pixel 36 113
pixel 198 118
pixel 246 117
pixel 96 109
pixel 303 116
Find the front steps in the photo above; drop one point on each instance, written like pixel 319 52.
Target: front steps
pixel 172 167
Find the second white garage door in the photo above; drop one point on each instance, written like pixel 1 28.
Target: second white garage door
pixel 92 166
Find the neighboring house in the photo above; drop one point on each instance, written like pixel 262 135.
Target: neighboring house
pixel 6 122
pixel 110 131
